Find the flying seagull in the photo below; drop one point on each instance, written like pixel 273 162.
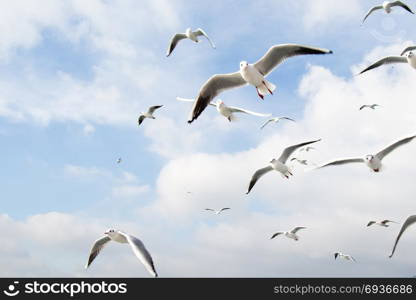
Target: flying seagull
pixel 278 165
pixel 387 6
pixel 410 59
pixel 119 160
pixel 383 223
pixel 228 111
pixel 411 48
pixel 410 221
pixel 217 212
pixel 148 114
pixel 189 34
pixel 121 237
pixel 372 106
pixel 289 234
pixel 276 120
pixel 344 256
pixel 253 74
pixel 373 161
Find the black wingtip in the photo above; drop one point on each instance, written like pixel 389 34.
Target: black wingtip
pixel 330 52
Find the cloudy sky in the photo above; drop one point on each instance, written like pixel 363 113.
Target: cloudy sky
pixel 75 75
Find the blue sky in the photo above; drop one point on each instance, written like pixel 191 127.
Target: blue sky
pixel 75 75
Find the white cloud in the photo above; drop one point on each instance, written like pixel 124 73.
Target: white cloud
pixel 129 191
pixel 85 172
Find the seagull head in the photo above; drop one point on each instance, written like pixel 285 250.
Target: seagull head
pixel 243 64
pixel 410 54
pixel 369 157
pixel 219 102
pixel 110 232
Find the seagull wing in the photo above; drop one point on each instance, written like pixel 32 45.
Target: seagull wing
pixel 403 5
pixel 153 108
pixel 192 100
pixel 387 221
pixel 265 123
pixel 200 32
pixel 362 107
pixel 141 118
pixel 385 61
pixel 246 111
pixel 296 229
pixel 176 38
pixel 408 49
pixel 397 144
pixel 342 162
pixel 276 234
pixel 336 254
pixel 410 221
pixel 225 208
pixel 257 176
pixel 289 150
pixel 373 9
pixel 96 249
pixel 141 252
pixel 210 209
pixel 286 118
pixel 211 88
pixel 277 54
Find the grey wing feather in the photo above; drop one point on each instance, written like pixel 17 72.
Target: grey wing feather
pixel 153 108
pixel 410 221
pixel 96 249
pixel 176 38
pixel 403 5
pixel 246 111
pixel 342 162
pixel 200 32
pixel 289 150
pixel 277 54
pixel 385 61
pixel 259 173
pixel 373 9
pixel 296 229
pixel 397 144
pixel 225 208
pixel 411 48
pixel 142 254
pixel 265 123
pixel 141 118
pixel 276 234
pixel 212 88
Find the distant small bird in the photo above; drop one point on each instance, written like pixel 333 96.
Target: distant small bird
pixel 148 114
pixel 307 149
pixel 217 212
pixel 411 48
pixel 301 161
pixel 119 160
pixel 278 165
pixel 383 223
pixel 289 234
pixel 372 106
pixel 387 6
pixel 121 237
pixel 344 256
pixel 410 59
pixel 189 34
pixel 276 120
pixel 409 221
pixel 373 161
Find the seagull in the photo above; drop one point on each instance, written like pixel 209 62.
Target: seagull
pixel 410 221
pixel 373 161
pixel 301 161
pixel 410 59
pixel 387 6
pixel 119 160
pixel 345 256
pixel 148 114
pixel 278 165
pixel 121 237
pixel 411 48
pixel 227 111
pixel 253 74
pixel 276 120
pixel 289 234
pixel 189 34
pixel 217 212
pixel 372 106
pixel 383 223
pixel 307 149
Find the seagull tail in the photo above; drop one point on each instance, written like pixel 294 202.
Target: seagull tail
pixel 266 88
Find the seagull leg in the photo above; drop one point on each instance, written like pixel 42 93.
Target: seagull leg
pixel 260 95
pixel 267 88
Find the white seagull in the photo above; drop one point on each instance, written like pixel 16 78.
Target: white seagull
pixel 276 120
pixel 411 48
pixel 253 74
pixel 148 114
pixel 278 165
pixel 344 256
pixel 372 106
pixel 387 6
pixel 383 223
pixel 289 234
pixel 217 212
pixel 227 111
pixel 121 237
pixel 410 221
pixel 373 161
pixel 189 34
pixel 410 59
